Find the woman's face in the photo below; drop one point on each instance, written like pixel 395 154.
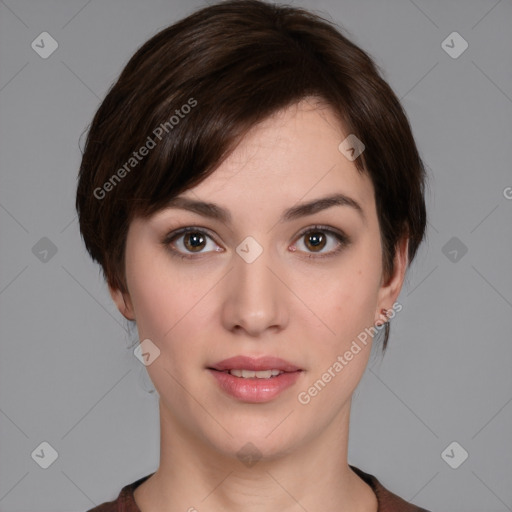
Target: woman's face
pixel 261 284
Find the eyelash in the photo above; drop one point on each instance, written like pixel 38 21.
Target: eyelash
pixel 343 241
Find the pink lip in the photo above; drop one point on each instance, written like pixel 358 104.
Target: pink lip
pixel 255 364
pixel 254 390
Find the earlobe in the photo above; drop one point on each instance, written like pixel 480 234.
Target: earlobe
pixel 123 302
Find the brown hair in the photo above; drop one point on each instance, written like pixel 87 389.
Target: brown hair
pixel 192 91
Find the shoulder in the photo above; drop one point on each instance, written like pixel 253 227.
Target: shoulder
pixel 388 502
pixel 125 501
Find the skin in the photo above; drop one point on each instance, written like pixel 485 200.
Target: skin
pixel 304 310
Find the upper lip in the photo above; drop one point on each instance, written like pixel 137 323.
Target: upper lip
pixel 255 364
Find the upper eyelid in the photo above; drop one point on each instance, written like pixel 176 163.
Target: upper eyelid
pixel 179 232
pixel 320 227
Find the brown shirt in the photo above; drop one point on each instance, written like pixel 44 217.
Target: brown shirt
pixel 387 501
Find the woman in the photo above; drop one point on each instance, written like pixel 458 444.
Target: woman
pixel 253 193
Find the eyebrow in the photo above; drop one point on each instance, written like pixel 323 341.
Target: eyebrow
pixel 216 212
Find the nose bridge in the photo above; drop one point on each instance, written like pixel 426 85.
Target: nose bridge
pixel 256 299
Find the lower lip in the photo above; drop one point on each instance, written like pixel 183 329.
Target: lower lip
pixel 255 390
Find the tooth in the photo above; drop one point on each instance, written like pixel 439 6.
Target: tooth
pixel 250 374
pixel 264 374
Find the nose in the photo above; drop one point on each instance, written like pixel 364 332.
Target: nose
pixel 256 298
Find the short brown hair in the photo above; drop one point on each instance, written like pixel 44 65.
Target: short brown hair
pixel 233 64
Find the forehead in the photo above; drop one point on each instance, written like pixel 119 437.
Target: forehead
pixel 291 157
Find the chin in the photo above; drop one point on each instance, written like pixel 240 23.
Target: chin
pixel 250 440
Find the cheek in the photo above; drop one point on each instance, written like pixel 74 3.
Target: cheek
pixel 341 296
pixel 168 304
pixel 348 300
pixel 156 294
pixel 347 307
pixel 163 304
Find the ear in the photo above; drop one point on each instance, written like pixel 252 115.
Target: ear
pixel 390 290
pixel 123 302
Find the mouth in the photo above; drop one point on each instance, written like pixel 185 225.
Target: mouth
pixel 254 380
pixel 251 374
pixel 260 366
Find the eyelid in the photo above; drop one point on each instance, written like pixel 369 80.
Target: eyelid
pixel 168 239
pixel 342 238
pixel 321 227
pixel 175 233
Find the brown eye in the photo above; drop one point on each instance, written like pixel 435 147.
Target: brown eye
pixel 190 242
pixel 194 241
pixel 319 242
pixel 315 240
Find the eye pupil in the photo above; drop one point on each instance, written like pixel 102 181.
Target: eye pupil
pixel 194 241
pixel 315 240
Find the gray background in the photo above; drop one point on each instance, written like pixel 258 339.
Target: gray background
pixel 68 375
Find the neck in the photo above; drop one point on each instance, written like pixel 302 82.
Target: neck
pixel 193 475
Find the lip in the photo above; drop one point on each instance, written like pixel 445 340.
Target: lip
pixel 255 364
pixel 254 390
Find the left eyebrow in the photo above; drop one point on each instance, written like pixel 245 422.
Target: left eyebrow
pixel 316 205
pixel 216 212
